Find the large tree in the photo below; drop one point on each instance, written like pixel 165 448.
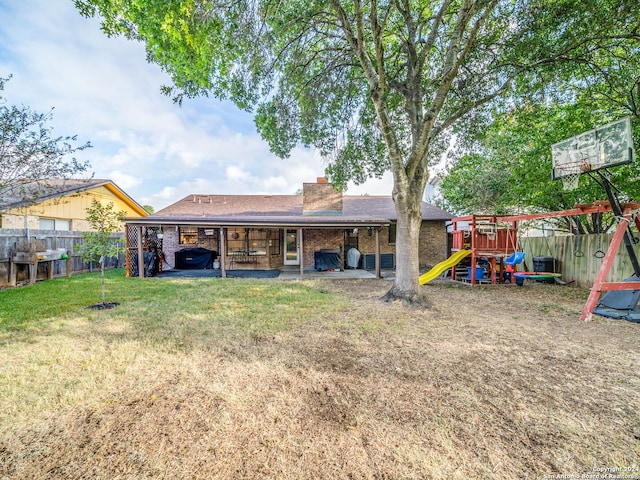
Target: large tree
pixel 32 159
pixel 374 85
pixel 592 78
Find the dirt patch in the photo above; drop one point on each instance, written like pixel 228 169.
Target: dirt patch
pixel 491 382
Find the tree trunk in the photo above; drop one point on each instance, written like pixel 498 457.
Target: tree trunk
pixel 102 275
pixel 406 286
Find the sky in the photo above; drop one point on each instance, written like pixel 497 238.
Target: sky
pixel 104 91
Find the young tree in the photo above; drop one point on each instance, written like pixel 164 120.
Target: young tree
pixel 100 244
pixel 30 156
pixel 374 85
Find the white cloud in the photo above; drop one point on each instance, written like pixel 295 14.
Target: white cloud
pixel 374 186
pixel 124 181
pixel 236 174
pixel 104 90
pixel 275 183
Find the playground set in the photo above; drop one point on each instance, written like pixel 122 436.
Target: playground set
pixel 494 238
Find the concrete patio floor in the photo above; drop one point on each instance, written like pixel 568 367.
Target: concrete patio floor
pixel 294 274
pixel 286 273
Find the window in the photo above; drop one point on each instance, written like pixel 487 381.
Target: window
pixel 187 236
pixel 63 225
pixel 246 241
pixel 392 233
pixel 54 224
pixel 46 224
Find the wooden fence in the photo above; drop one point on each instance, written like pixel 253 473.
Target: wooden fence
pixel 575 256
pixel 14 240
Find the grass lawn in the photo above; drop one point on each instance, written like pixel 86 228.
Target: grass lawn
pixel 315 379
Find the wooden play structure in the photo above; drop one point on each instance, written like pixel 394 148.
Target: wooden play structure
pixel 494 238
pixel 489 237
pixel 591 154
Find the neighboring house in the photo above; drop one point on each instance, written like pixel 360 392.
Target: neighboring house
pixel 432 192
pixel 64 206
pixel 272 231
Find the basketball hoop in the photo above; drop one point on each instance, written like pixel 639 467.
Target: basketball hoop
pixel 570 172
pixel 603 147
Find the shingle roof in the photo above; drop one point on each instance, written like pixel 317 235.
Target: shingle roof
pixel 282 209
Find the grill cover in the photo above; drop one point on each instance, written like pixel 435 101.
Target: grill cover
pixel 327 260
pixel 195 258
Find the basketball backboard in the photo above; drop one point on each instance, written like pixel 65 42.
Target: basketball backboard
pixel 602 147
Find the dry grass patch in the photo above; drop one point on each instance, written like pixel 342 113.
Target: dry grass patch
pixel 492 382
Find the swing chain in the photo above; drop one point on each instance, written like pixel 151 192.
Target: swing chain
pixel 599 253
pixel 578 252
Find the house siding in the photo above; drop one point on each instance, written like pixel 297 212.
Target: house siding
pixel 68 207
pixel 433 245
pixel 17 221
pixel 273 258
pixel 367 244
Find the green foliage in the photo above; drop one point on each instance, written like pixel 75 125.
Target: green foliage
pixel 31 158
pixel 100 244
pixel 475 184
pixel 510 170
pixel 587 58
pixel 361 82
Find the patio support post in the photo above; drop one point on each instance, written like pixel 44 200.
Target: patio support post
pixel 140 254
pixel 223 255
pixel 378 275
pixel 127 261
pixel 301 246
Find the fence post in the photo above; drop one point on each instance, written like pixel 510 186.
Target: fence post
pixel 13 273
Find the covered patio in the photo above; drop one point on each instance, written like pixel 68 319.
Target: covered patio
pixel 288 250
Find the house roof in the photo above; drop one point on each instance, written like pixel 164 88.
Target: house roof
pixel 56 188
pixel 282 210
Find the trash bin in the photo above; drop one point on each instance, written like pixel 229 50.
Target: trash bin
pixel 544 264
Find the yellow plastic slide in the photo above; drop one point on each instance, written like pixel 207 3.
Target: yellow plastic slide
pixel 436 271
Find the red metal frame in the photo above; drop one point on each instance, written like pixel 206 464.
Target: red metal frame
pixel 600 285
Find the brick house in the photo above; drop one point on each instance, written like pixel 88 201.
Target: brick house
pixel 276 231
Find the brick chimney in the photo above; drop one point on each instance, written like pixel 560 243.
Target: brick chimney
pixel 321 198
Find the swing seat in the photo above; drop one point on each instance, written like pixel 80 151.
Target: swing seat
pixel 514 259
pixel 520 276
